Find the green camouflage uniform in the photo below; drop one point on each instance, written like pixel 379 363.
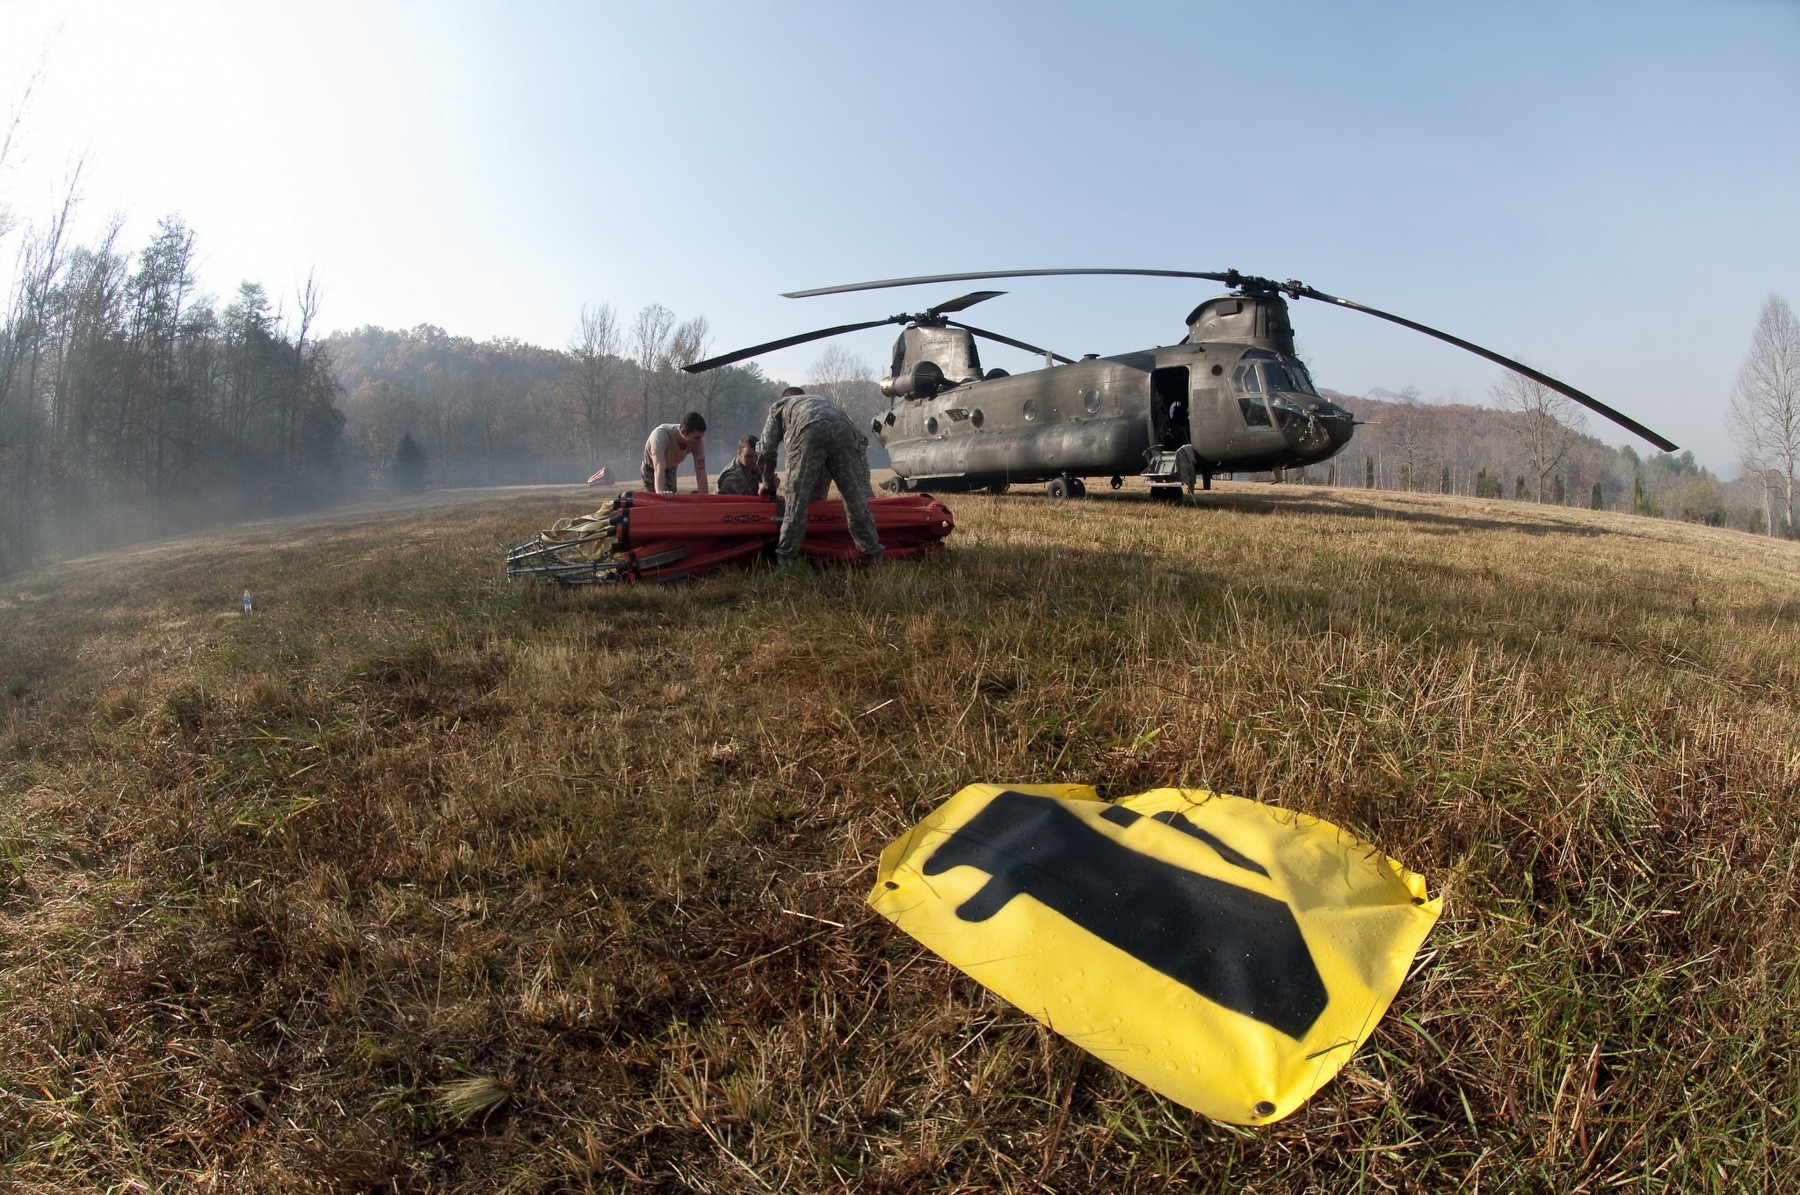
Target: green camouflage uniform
pixel 735 479
pixel 823 446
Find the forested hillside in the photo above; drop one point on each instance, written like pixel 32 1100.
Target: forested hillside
pixel 502 411
pixel 1457 448
pixel 505 411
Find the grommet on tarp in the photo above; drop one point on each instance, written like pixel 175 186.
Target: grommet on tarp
pixel 1229 955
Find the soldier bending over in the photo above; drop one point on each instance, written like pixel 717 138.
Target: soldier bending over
pixel 823 446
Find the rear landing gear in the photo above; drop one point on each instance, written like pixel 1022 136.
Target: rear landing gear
pixel 1067 487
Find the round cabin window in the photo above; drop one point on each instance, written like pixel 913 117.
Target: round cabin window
pixel 1091 400
pixel 1217 370
pixel 976 418
pixel 931 425
pixel 1030 409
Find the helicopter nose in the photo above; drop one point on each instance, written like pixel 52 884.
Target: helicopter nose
pixel 1318 429
pixel 1338 424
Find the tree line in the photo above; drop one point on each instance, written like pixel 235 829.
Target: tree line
pixel 505 411
pixel 1526 452
pixel 464 412
pixel 1534 446
pixel 131 403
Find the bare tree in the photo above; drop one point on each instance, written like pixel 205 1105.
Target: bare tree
pixel 595 372
pixel 26 335
pixel 379 414
pixel 687 344
pixel 1550 424
pixel 848 381
pixel 650 341
pixel 1409 436
pixel 699 392
pixel 1764 416
pixel 41 261
pixel 15 120
pixel 307 298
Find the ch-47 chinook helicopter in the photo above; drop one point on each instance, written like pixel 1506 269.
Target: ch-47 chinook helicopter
pixel 1230 397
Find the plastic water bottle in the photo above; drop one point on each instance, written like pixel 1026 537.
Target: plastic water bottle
pixel 246 601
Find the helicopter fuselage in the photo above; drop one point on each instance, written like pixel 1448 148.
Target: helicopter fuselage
pixel 1231 397
pixel 1243 403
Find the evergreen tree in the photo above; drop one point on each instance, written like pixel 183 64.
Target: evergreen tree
pixel 409 464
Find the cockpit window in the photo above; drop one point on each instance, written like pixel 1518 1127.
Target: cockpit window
pixel 1277 378
pixel 1303 378
pixel 1246 380
pixel 1256 412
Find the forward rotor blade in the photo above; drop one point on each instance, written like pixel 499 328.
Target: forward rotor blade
pixel 1017 344
pixel 1230 278
pixel 783 343
pixel 964 302
pixel 1588 401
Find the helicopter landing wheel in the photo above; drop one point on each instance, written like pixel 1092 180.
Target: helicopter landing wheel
pixel 1078 487
pixel 1117 481
pixel 1061 487
pixel 894 485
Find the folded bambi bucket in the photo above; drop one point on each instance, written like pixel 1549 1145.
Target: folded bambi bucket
pixel 671 537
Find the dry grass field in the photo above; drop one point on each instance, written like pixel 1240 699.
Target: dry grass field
pixel 413 880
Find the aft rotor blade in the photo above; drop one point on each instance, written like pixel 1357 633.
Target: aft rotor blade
pixel 1230 278
pixel 1017 344
pixel 964 302
pixel 1588 401
pixel 784 342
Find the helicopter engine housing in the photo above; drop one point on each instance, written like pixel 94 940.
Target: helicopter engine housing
pixel 922 380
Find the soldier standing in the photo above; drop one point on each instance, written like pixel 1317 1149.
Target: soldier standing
pixel 823 446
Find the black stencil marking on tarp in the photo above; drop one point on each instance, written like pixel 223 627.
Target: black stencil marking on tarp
pixel 1176 821
pixel 1119 815
pixel 1234 946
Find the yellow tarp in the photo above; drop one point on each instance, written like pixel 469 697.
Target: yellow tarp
pixel 1227 954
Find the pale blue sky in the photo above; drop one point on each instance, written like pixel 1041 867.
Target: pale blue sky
pixel 1607 190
